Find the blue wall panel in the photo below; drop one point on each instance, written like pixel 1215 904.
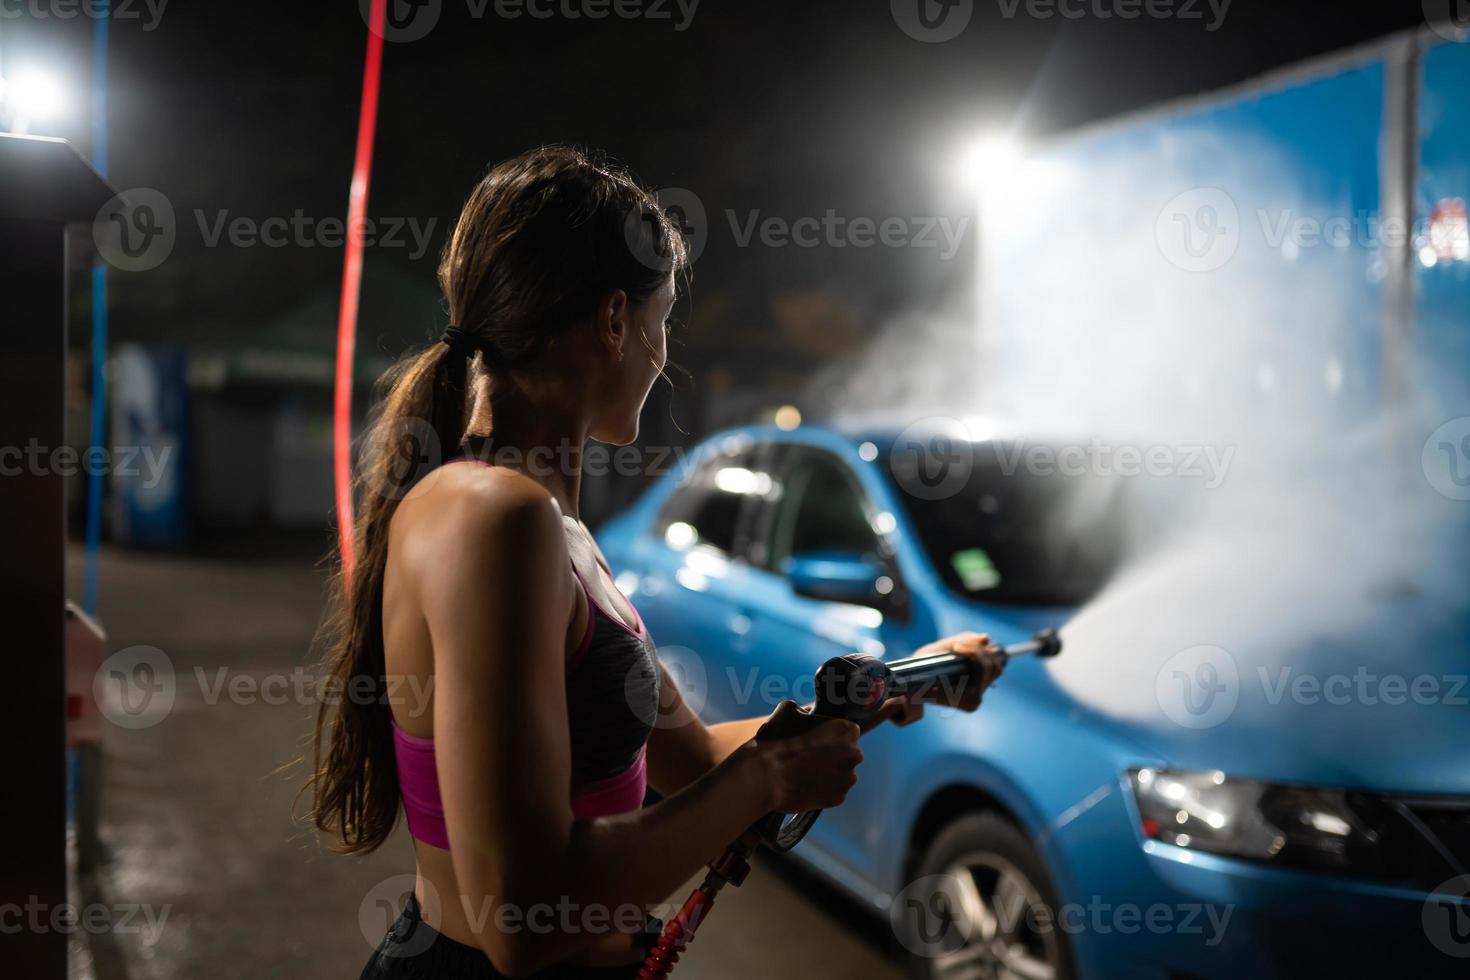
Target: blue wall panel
pixel 1219 261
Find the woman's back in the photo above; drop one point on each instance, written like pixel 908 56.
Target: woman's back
pixel 612 677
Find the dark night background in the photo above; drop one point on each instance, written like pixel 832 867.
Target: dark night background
pixel 761 109
pixel 790 108
pixel 786 109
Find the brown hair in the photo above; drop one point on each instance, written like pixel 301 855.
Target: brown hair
pixel 542 238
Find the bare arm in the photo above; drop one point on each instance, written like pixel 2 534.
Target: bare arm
pixel 497 600
pixel 688 748
pixel 682 747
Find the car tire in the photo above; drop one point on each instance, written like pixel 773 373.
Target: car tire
pixel 1012 934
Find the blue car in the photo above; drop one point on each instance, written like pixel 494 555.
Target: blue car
pixel 1087 821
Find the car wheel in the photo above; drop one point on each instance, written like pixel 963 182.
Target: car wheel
pixel 981 907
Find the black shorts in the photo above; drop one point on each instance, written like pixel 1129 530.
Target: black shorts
pixel 414 950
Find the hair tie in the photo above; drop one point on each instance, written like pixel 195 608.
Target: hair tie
pixel 460 341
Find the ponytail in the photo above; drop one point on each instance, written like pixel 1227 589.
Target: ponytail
pixel 421 420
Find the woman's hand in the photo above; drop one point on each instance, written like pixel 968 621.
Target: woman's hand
pixel 986 664
pixel 807 760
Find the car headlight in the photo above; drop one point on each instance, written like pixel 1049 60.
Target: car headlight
pixel 1301 826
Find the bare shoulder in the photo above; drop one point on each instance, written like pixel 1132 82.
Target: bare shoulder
pixel 479 509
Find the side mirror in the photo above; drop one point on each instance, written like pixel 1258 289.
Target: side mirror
pixel 835 576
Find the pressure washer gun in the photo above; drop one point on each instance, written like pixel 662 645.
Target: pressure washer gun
pixel 852 687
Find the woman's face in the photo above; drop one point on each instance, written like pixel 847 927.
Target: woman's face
pixel 645 350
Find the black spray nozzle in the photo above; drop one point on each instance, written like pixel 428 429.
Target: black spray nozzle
pixel 1046 643
pixel 855 686
pixel 917 674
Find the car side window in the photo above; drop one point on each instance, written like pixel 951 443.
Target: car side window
pixel 822 508
pixel 706 510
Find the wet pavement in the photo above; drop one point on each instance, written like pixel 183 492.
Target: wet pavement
pixel 210 877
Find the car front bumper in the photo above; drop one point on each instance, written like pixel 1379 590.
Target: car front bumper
pixel 1138 908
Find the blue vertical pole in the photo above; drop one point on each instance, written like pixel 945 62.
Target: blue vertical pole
pixel 95 473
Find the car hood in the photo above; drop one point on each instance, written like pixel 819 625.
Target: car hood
pixel 1306 681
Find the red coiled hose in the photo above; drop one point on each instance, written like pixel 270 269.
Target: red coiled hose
pixel 676 936
pixel 730 869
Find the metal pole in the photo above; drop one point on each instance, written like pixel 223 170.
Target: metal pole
pixel 1398 164
pixel 98 434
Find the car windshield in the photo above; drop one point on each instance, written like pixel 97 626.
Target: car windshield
pixel 1003 532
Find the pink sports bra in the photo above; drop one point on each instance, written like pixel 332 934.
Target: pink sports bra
pixel 612 704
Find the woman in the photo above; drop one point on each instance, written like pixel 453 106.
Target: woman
pixel 496 684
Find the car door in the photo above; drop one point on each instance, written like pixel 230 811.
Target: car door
pixel 693 578
pixel 817 504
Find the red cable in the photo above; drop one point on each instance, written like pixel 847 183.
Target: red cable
pixel 676 936
pixel 730 868
pixel 362 168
